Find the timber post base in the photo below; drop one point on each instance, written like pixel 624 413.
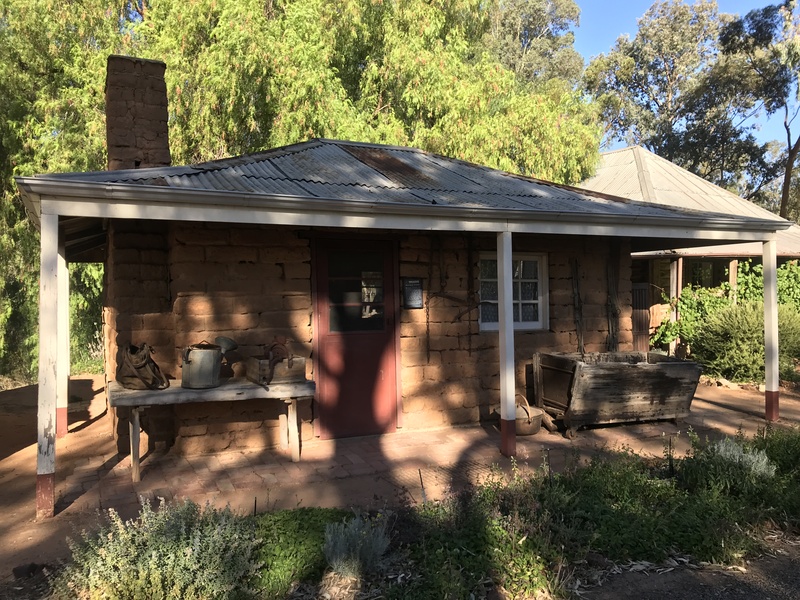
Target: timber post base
pixel 772 412
pixel 508 437
pixel 45 495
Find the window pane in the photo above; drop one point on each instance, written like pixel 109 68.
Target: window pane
pixel 356 318
pixel 355 291
pixel 489 313
pixel 353 264
pixel 529 290
pixel 488 290
pixel 530 269
pixel 344 291
pixel 530 312
pixel 488 269
pixel 525 291
pixel 371 286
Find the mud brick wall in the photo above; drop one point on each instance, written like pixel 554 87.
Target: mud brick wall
pixel 214 427
pixel 449 369
pixel 137 308
pixel 177 284
pixel 249 284
pixel 246 283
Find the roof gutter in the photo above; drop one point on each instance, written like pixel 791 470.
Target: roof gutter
pixel 71 195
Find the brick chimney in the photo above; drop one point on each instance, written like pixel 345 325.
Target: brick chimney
pixel 136 113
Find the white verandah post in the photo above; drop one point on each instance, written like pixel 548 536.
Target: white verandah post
pixel 48 359
pixel 770 258
pixel 508 409
pixel 62 366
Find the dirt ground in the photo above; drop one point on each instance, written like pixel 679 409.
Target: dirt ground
pixel 28 545
pixel 773 576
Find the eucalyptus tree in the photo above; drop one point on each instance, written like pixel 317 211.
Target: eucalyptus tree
pixel 767 42
pixel 534 38
pixel 672 91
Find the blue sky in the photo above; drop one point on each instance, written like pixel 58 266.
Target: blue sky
pixel 603 21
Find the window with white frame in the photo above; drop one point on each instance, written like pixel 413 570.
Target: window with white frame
pixel 529 284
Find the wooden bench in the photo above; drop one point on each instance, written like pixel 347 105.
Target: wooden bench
pixel 230 390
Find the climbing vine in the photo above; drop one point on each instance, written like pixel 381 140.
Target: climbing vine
pixel 700 308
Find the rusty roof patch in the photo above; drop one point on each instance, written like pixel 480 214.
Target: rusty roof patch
pixel 389 165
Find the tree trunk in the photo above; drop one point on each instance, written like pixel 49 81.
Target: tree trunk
pixel 787 177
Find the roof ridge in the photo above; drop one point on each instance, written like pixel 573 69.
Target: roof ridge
pixel 645 181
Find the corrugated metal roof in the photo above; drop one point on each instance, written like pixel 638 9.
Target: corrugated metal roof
pixel 378 174
pixel 386 176
pixel 638 174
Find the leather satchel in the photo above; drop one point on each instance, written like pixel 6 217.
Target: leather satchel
pixel 139 371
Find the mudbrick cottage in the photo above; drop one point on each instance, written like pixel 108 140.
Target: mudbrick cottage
pixel 416 287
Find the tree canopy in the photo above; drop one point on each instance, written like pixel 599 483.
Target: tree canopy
pixel 52 64
pixel 242 78
pixel 248 75
pixel 673 91
pixel 534 38
pixel 766 42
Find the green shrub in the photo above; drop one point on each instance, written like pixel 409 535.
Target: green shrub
pixel 727 465
pixel 695 305
pixel 292 547
pixel 355 547
pixel 782 446
pixel 615 506
pixel 750 283
pixel 177 551
pixel 732 343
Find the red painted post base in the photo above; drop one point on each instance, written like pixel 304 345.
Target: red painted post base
pixel 62 421
pixel 45 495
pixel 771 413
pixel 508 437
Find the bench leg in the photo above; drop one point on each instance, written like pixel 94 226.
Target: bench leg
pixel 294 429
pixel 134 429
pixel 283 429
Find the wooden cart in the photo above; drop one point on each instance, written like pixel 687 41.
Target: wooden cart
pixel 613 387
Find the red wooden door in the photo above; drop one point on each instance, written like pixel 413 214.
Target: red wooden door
pixel 356 305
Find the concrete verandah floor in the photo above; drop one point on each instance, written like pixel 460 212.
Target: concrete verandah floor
pixel 368 472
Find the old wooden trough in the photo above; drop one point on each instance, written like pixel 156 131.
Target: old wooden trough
pixel 613 387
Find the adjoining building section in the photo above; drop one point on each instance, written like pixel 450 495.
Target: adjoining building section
pixel 638 174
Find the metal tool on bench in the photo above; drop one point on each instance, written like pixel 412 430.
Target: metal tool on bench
pixel 276 365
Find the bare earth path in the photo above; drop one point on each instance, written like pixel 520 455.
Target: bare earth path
pixel 90 475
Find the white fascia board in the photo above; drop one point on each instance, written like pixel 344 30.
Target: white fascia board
pixel 729 249
pixel 32 204
pixel 154 202
pixel 370 218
